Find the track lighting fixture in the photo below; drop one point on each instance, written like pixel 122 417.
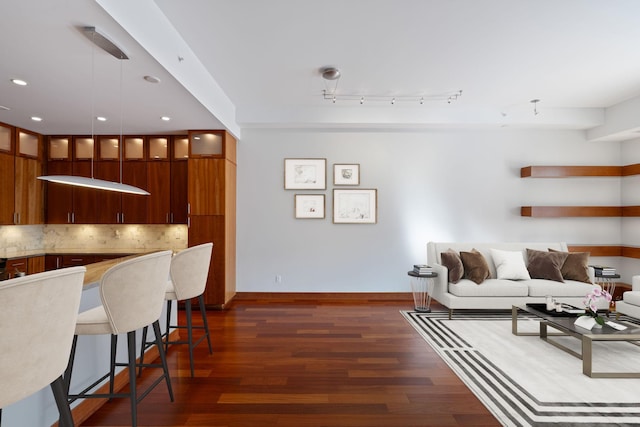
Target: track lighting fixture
pixel 331 77
pixel 535 106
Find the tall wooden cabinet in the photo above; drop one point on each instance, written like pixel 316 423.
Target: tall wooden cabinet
pixel 21 193
pixel 212 208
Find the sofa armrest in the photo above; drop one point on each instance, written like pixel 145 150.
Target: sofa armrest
pixel 635 283
pixel 442 281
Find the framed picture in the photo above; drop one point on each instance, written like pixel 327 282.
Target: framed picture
pixel 305 174
pixel 309 206
pixel 355 206
pixel 346 174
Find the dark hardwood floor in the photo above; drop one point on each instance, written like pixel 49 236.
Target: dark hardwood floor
pixel 307 363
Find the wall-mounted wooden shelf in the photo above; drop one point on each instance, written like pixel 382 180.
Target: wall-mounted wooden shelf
pixel 606 250
pixel 577 171
pixel 579 211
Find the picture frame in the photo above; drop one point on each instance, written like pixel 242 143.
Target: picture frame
pixel 355 206
pixel 305 174
pixel 309 206
pixel 346 174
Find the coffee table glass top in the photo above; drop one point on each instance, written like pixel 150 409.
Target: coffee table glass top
pixel 566 321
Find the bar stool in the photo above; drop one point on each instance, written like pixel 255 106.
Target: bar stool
pixel 132 295
pixel 38 314
pixel 189 272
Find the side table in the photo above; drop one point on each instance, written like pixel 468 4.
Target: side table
pixel 422 288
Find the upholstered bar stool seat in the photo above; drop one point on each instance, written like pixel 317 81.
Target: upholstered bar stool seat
pixel 188 279
pixel 132 295
pixel 37 319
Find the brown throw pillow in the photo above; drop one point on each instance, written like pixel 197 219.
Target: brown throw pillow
pixel 476 268
pixel 576 266
pixel 546 265
pixel 452 261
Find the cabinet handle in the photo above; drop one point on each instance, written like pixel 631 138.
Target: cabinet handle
pixel 68 217
pixel 166 218
pixel 189 208
pixel 76 259
pixel 171 217
pixel 57 262
pixel 189 222
pixel 122 217
pixel 73 217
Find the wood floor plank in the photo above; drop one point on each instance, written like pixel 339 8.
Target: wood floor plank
pixel 297 363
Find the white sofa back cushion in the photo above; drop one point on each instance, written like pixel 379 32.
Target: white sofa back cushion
pixel 510 265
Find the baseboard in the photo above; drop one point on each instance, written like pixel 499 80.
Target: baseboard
pixel 324 296
pixel 88 407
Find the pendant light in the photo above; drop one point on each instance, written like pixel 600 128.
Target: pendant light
pixel 100 184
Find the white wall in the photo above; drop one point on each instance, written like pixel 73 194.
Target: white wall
pixel 434 185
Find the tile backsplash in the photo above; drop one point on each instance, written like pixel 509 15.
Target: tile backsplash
pixel 91 237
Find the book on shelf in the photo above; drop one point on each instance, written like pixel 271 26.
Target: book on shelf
pixel 604 270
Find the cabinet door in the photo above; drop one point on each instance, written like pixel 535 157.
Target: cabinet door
pixel 85 200
pixel 179 192
pixel 134 206
pixel 159 185
pixel 28 191
pixel 110 207
pixel 206 186
pixel 59 197
pixel 52 262
pixel 7 194
pixel 210 228
pixel 16 265
pixel 35 264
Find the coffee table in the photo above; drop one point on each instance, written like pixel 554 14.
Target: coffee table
pixel 563 322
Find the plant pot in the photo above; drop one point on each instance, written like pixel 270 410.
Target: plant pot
pixel 586 322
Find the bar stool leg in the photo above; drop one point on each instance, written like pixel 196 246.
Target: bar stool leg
pixel 112 372
pixel 168 324
pixel 143 347
pixel 205 322
pixel 59 394
pixel 163 357
pixel 131 343
pixel 67 372
pixel 187 307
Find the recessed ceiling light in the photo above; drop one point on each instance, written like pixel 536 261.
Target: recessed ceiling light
pixel 36 118
pixel 101 119
pixel 152 79
pixel 19 82
pixel 165 118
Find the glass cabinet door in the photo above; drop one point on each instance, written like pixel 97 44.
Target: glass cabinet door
pixel 83 148
pixel 28 144
pixel 59 148
pixel 6 139
pixel 180 147
pixel 158 148
pixel 108 148
pixel 134 148
pixel 206 144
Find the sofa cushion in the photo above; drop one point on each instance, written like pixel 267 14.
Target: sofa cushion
pixel 546 265
pixel 489 288
pixel 576 266
pixel 476 268
pixel 452 261
pixel 569 288
pixel 509 265
pixel 631 297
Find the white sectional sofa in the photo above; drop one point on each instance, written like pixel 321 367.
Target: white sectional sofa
pixel 630 304
pixel 495 293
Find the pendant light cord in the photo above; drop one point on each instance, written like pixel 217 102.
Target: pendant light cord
pixel 121 115
pixel 93 99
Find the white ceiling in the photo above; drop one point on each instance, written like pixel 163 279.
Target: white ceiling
pixel 252 63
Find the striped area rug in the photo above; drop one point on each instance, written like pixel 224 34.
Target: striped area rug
pixel 525 381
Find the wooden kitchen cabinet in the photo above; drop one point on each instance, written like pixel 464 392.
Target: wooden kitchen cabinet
pixel 7 189
pixel 35 264
pixel 16 265
pixel 29 194
pixel 159 185
pixel 212 212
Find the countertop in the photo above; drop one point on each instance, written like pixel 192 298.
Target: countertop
pixel 78 251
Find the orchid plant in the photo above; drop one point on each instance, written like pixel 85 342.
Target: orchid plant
pixel 591 309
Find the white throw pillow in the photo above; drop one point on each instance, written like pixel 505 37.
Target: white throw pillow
pixel 510 265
